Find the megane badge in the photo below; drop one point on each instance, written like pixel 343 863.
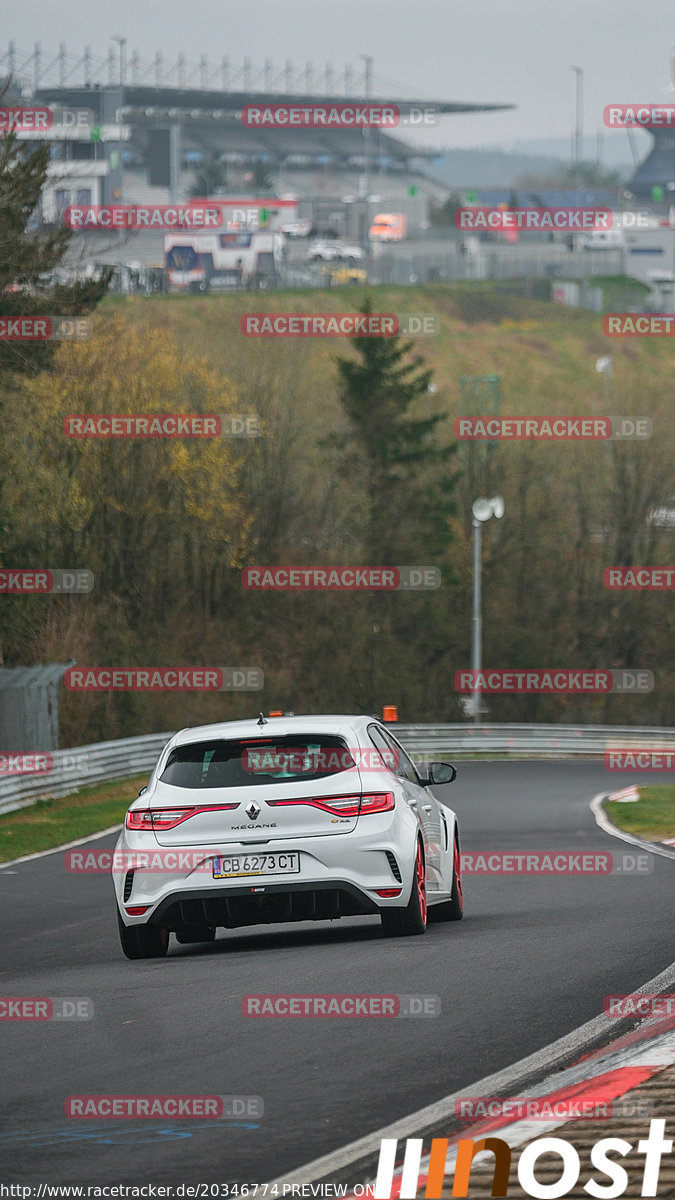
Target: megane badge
pixel 253 811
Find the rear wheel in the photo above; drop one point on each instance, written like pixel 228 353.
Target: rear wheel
pixel 405 922
pixel 143 941
pixel 452 909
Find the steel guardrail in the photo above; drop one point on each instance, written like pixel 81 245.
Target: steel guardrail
pixel 82 766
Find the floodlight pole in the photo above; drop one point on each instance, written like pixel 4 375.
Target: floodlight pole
pixel 578 135
pixel 481 510
pixel 368 59
pixel 476 624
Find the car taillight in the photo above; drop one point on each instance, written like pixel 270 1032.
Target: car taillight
pixel 345 806
pixel 168 818
pixel 341 806
pixel 377 802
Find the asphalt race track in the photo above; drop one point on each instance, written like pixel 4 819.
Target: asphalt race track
pixel 533 959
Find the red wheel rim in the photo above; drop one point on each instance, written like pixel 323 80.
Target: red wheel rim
pixel 421 885
pixel 458 876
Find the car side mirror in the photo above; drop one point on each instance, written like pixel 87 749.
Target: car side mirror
pixel 441 772
pixel 143 789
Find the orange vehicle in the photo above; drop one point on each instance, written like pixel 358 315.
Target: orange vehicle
pixel 388 227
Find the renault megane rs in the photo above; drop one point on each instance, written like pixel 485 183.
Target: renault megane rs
pixel 292 819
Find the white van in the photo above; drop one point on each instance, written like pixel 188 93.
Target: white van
pixel 602 239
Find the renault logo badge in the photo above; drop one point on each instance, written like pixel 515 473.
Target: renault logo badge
pixel 253 811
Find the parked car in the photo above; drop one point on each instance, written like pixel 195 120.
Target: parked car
pixel 602 239
pixel 337 275
pixel 297 229
pixel 325 251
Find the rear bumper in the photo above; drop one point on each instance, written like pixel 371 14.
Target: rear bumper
pixel 339 876
pixel 261 904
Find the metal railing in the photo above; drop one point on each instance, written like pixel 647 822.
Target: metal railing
pixel 528 741
pixel 81 767
pixel 87 765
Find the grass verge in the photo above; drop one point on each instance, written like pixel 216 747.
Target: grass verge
pixel 652 817
pixel 51 823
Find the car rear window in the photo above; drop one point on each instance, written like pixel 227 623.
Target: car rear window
pixel 255 761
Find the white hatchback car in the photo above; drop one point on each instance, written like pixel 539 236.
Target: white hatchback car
pixel 288 819
pixel 325 251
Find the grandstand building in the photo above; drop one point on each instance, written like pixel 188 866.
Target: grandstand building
pixel 140 133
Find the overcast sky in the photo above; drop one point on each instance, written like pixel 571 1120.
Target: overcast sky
pixel 517 51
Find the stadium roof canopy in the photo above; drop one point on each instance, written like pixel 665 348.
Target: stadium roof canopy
pixel 210 120
pixel 139 97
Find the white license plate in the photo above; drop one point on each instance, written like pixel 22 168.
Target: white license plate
pixel 232 865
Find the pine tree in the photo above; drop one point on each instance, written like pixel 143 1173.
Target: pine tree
pixel 29 252
pixel 391 454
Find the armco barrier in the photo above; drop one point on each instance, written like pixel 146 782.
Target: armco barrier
pixel 424 742
pixel 81 767
pixel 84 765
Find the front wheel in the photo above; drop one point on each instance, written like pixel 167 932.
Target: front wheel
pixel 143 941
pixel 411 920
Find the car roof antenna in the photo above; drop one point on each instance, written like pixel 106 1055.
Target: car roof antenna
pixel 262 720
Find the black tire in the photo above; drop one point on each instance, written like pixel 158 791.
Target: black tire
pixel 411 920
pixel 143 941
pixel 191 934
pixel 452 909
